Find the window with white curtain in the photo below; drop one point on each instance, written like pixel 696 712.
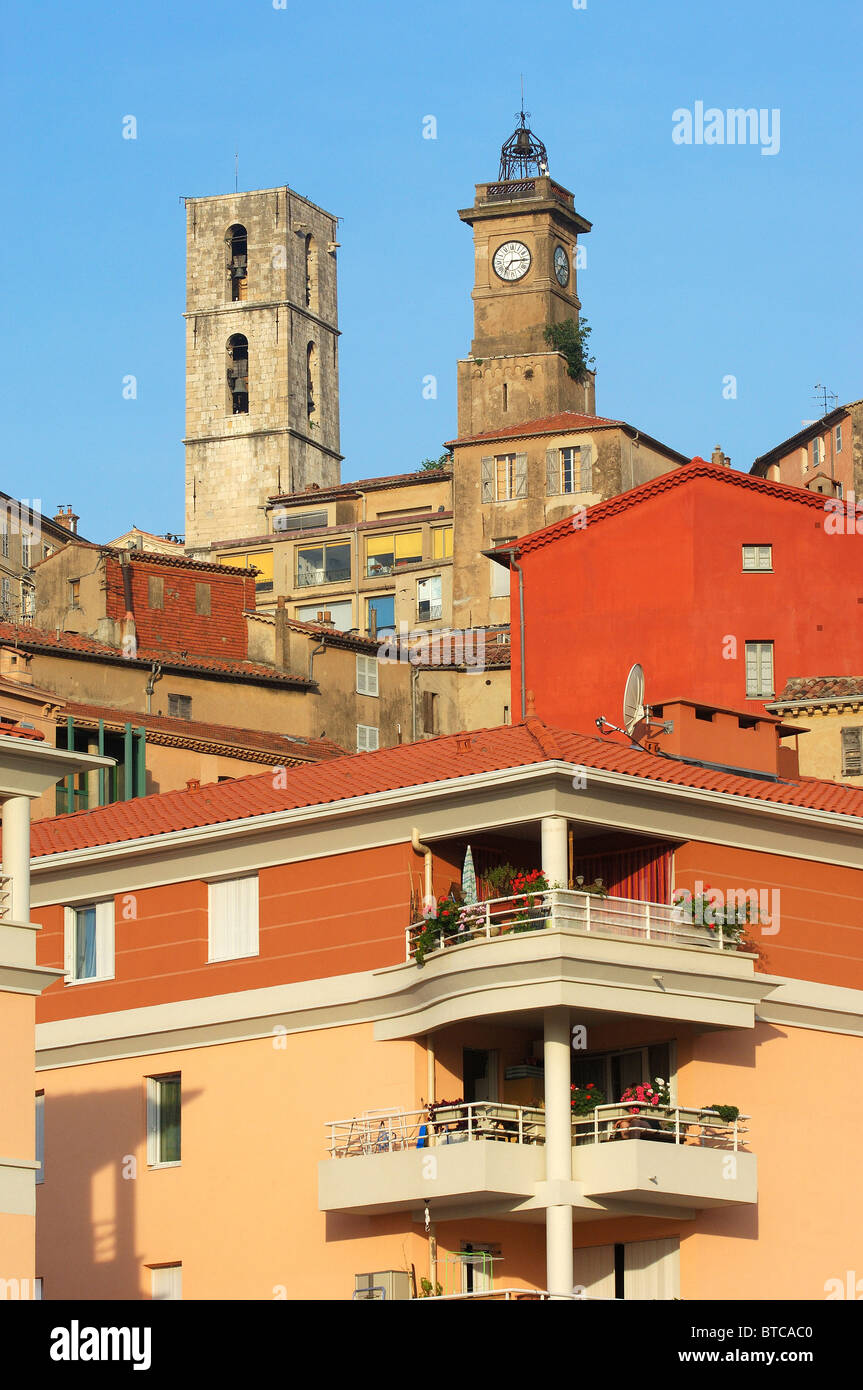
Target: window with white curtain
pixel 651 1269
pixel 89 942
pixel 593 1271
pixel 166 1282
pixel 233 918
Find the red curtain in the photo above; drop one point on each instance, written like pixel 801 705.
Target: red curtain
pixel 629 873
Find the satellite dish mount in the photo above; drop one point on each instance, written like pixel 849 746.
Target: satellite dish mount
pixel 637 720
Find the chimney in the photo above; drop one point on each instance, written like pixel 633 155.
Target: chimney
pixel 280 635
pixel 193 785
pixel 67 519
pixel 721 460
pixel 462 743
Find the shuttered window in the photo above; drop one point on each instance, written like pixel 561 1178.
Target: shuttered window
pixel 504 477
pixel 852 752
pixel 367 675
pixel 759 670
pixel 166 1281
pixel 233 918
pixel 367 738
pixel 89 942
pixel 429 712
pixel 758 557
pixel 568 470
pixel 155 591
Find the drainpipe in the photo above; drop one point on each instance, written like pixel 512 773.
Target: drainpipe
pixel 360 624
pixel 420 848
pixel 155 675
pixel 415 671
pixel 513 565
pixel 317 651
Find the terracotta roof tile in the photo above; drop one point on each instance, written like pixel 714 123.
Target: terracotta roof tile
pixel 820 688
pixel 548 424
pixel 433 760
pixel 263 740
pixel 666 482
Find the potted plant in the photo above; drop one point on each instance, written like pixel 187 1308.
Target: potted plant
pixel 583 1100
pixel 530 887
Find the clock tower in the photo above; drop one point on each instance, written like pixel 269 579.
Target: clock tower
pixel 525 232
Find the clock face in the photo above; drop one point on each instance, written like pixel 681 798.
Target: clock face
pixel 561 265
pixel 512 260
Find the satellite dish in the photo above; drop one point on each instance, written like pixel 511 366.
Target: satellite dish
pixel 633 699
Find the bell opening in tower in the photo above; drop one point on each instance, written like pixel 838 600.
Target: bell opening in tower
pixel 238 262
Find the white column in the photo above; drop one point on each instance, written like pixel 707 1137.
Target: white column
pixel 558 1147
pixel 16 855
pixel 555 850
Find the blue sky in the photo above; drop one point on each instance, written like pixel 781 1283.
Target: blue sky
pixel 704 262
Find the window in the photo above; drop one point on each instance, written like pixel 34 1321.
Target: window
pixel 233 918
pixel 429 712
pixel 28 600
pixel 367 738
pixel 163 1120
pixel 387 553
pixel 477 1267
pixel 301 521
pixel 504 477
pixel 441 542
pixel 166 1282
pixel 382 613
pixel 758 557
pixel 25 551
pixel 313 384
pixel 237 245
pixel 759 670
pixel 852 752
pixel 367 675
pixel 324 564
pixel 341 614
pixel 839 439
pixel 89 942
pixel 261 560
pixel 40 1135
pixel 499 573
pixel 180 706
pixel 4 541
pixel 237 350
pixel 202 600
pixel 817 452
pixel 429 601
pixel 155 591
pixel 568 470
pixel 6 597
pixel 837 489
pixel 311 274
pixel 612 1072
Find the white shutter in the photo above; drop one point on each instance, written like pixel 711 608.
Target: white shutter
pixel 488 479
pixel 586 479
pixel 552 471
pixel 367 675
pixel 233 919
pixel 651 1269
pixel 69 942
pixel 766 668
pixel 520 476
pixel 40 1136
pixel 367 738
pixel 593 1271
pixel 105 940
pixel 152 1121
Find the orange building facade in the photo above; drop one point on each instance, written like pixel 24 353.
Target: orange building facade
pixel 254 1090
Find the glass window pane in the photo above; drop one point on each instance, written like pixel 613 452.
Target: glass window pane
pixel 337 563
pixel 169 1120
pixel 85 943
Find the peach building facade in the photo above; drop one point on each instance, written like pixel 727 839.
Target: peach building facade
pixel 253 1090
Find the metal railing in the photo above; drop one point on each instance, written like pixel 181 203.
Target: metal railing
pixel 669 1124
pixel 394 1131
pixel 509 1295
pixel 583 912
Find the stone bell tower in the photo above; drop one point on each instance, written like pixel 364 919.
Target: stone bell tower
pixel 262 377
pixel 525 232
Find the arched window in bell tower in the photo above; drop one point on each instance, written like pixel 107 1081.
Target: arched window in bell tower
pixel 311 274
pixel 238 374
pixel 313 384
pixel 237 246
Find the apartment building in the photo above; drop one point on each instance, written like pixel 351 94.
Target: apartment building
pixel 26 537
pixel 254 1090
pixel 825 456
pixel 830 708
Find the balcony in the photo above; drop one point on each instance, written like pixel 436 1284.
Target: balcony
pixel 601 956
pixel 487 1158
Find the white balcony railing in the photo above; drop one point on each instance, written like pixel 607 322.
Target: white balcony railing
pixel 631 918
pixel 394 1131
pixel 5 894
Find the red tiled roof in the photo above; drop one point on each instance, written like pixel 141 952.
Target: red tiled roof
pixel 11 730
pixel 75 644
pixel 824 688
pixel 678 477
pixel 549 424
pixel 409 765
pixel 305 749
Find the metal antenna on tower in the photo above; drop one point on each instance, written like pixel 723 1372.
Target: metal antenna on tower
pixel 822 395
pixel 236 169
